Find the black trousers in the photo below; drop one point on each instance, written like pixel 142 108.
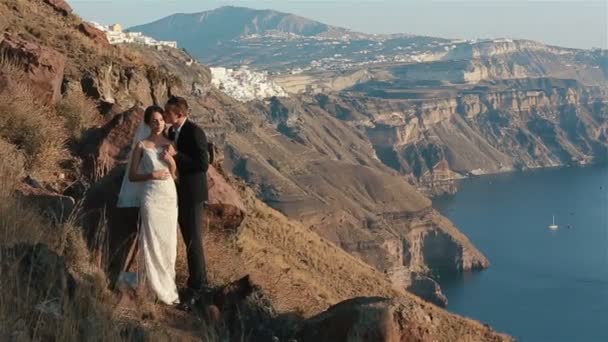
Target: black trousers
pixel 190 218
pixel 122 240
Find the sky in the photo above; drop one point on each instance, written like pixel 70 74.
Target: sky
pixel 569 23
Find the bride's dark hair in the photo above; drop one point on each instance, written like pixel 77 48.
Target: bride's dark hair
pixel 150 111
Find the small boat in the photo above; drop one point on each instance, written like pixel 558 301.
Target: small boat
pixel 553 225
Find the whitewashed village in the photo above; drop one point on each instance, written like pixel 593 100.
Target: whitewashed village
pixel 116 35
pixel 241 84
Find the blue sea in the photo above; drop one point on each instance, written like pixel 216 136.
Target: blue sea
pixel 543 285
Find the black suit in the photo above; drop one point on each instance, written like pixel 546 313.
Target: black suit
pixel 192 162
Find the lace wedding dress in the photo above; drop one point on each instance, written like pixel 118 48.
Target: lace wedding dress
pixel 158 229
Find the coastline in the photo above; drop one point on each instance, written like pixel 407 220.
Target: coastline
pixel 453 183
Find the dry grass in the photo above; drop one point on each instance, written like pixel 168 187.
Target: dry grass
pixel 79 112
pixel 30 308
pixel 32 127
pixel 17 223
pixel 298 270
pixel 11 168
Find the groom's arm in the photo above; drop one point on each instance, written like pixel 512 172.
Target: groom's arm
pixel 198 160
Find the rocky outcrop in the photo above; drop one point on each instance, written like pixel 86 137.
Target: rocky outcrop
pixel 225 208
pixel 94 33
pixel 60 6
pixel 113 84
pixel 55 206
pixel 427 289
pixel 419 284
pixel 42 65
pixel 386 320
pixel 108 146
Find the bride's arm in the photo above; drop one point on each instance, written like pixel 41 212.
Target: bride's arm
pixel 170 161
pixel 172 167
pixel 134 176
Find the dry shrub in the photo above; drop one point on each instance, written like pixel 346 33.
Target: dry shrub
pixel 79 112
pixel 3 24
pixel 29 125
pixel 12 163
pixel 31 308
pixel 17 222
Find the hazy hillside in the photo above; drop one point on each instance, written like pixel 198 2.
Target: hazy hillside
pixel 211 32
pixel 311 56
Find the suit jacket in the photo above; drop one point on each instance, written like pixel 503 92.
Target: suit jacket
pixel 192 161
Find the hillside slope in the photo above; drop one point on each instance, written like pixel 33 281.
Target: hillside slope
pixel 292 265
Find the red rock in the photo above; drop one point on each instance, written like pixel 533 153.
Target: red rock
pixel 109 146
pixel 42 65
pixel 391 320
pixel 225 211
pixel 94 33
pixel 60 6
pixel 370 319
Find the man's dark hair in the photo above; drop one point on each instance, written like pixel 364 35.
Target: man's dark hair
pixel 150 111
pixel 179 102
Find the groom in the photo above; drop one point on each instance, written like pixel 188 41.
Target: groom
pixel 192 164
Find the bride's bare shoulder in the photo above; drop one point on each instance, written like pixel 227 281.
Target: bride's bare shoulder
pixel 145 144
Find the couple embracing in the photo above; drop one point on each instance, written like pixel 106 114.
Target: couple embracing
pixel 166 178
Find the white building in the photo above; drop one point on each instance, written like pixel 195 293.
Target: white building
pixel 245 85
pixel 116 35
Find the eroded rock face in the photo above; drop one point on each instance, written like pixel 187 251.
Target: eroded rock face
pixel 337 187
pixel 109 145
pixel 515 124
pixel 60 6
pixel 427 289
pixel 94 33
pixel 43 66
pixel 440 247
pixel 127 86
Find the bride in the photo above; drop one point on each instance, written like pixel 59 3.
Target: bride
pixel 157 199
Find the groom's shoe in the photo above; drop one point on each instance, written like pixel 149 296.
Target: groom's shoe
pixel 187 304
pixel 188 301
pixel 205 295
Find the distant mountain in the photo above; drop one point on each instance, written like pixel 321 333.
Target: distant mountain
pixel 229 36
pixel 209 28
pixel 292 45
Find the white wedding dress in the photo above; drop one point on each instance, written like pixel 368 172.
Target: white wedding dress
pixel 158 229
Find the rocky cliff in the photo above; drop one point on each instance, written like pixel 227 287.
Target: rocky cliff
pixel 319 170
pixel 401 114
pixel 296 268
pixel 509 125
